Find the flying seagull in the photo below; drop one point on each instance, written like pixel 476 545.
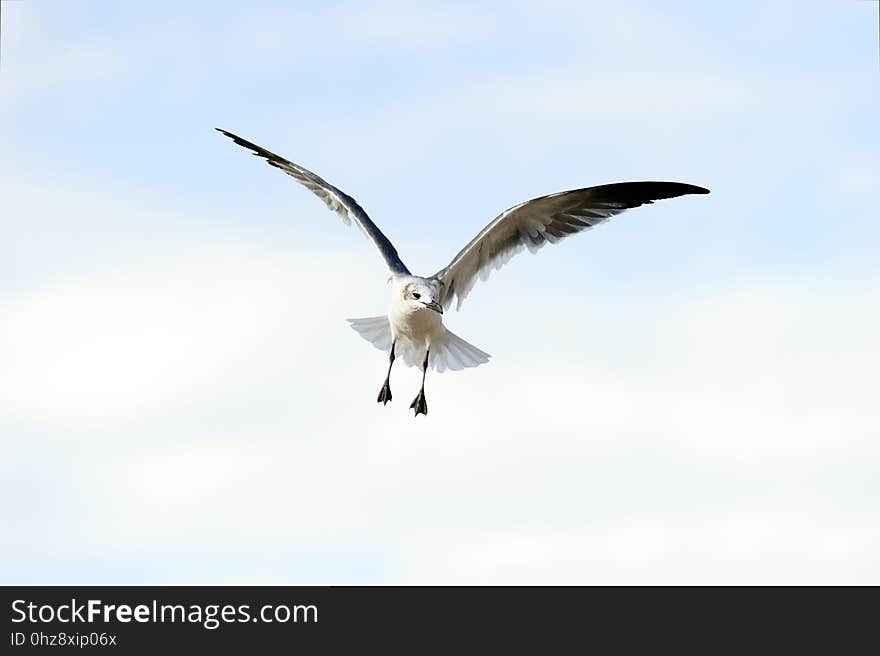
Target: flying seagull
pixel 413 327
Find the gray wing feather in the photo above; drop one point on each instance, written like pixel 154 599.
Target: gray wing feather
pixel 334 198
pixel 544 220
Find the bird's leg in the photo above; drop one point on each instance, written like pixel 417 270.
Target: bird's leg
pixel 419 404
pixel 385 394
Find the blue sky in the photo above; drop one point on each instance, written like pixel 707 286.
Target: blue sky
pixel 683 395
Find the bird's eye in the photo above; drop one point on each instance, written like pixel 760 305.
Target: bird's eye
pixel 416 295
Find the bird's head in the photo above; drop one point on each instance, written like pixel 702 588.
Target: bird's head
pixel 419 296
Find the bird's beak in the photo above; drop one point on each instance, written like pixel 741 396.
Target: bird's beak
pixel 434 305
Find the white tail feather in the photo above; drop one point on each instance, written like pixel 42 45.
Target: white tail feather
pixel 448 352
pixel 452 352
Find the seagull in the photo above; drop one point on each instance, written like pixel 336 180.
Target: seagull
pixel 413 327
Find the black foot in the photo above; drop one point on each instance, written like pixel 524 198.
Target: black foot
pixel 385 394
pixel 419 404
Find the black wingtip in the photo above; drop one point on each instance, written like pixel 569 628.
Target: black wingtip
pixel 259 151
pixel 638 193
pixel 226 133
pixel 680 188
pixel 674 189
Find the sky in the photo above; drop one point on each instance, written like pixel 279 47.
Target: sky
pixel 684 395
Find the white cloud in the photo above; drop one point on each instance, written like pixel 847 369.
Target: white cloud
pixel 95 352
pixel 773 543
pixel 697 457
pixel 34 61
pixel 389 24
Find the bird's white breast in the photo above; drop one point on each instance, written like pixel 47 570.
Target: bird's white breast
pixel 419 326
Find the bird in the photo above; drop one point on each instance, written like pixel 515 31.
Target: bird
pixel 413 327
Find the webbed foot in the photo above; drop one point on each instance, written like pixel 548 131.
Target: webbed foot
pixel 419 404
pixel 385 394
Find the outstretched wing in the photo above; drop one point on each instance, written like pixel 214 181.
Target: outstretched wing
pixel 547 219
pixel 335 199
